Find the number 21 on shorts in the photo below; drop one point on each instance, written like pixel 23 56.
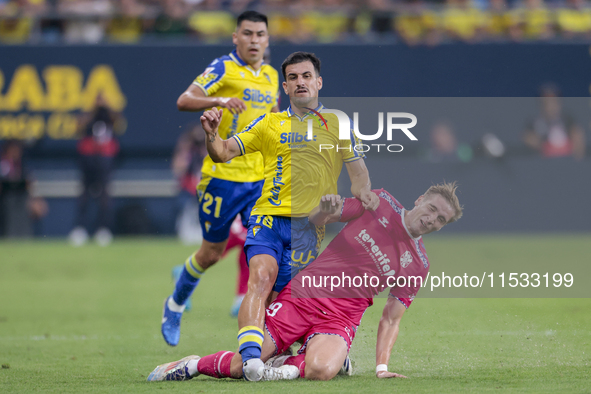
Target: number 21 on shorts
pixel 273 308
pixel 209 199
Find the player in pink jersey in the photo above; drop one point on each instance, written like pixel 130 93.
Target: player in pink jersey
pixel 323 304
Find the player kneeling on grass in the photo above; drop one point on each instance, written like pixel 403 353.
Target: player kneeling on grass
pixel 323 305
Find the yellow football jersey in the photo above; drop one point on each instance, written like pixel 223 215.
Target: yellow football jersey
pixel 230 76
pixel 299 168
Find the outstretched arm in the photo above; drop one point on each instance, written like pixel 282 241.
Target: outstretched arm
pixel 194 99
pixel 361 186
pixel 328 211
pixel 387 334
pixel 219 150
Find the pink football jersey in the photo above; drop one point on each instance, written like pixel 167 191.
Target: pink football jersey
pixel 373 252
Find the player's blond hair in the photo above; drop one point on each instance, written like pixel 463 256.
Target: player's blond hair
pixel 448 192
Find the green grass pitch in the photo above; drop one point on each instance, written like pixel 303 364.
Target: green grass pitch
pixel 88 320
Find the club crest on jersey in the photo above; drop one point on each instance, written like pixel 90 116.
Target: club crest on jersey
pixel 206 77
pixel 242 74
pixel 255 230
pixel 405 259
pixel 282 122
pixel 383 221
pixel 207 226
pixel 268 77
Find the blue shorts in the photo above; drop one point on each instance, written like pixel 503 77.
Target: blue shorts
pixel 219 203
pixel 293 242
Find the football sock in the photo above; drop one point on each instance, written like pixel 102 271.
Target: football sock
pixel 238 299
pixel 299 361
pixel 250 342
pixel 242 279
pixel 188 280
pixel 216 365
pixel 173 306
pixel 192 367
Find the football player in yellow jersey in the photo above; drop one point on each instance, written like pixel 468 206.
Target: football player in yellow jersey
pixel 247 88
pixel 280 238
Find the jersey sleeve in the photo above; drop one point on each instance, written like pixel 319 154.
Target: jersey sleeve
pixel 404 301
pixel 352 155
pixel 352 209
pixel 249 140
pixel 211 80
pixel 407 293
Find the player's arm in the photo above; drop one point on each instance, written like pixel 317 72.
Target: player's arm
pixel 194 99
pixel 387 334
pixel 360 184
pixel 219 150
pixel 328 211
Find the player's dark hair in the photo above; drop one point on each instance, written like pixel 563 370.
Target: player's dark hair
pixel 300 57
pixel 252 16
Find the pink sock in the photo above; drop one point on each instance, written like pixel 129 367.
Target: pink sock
pixel 237 238
pixel 242 285
pixel 299 361
pixel 216 365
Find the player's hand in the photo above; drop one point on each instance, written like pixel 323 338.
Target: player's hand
pixel 329 203
pixel 234 105
pixel 369 200
pixel 386 375
pixel 210 120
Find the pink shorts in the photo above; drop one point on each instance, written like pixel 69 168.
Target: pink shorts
pixel 291 319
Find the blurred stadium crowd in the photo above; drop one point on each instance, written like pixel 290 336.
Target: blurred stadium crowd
pixel 427 22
